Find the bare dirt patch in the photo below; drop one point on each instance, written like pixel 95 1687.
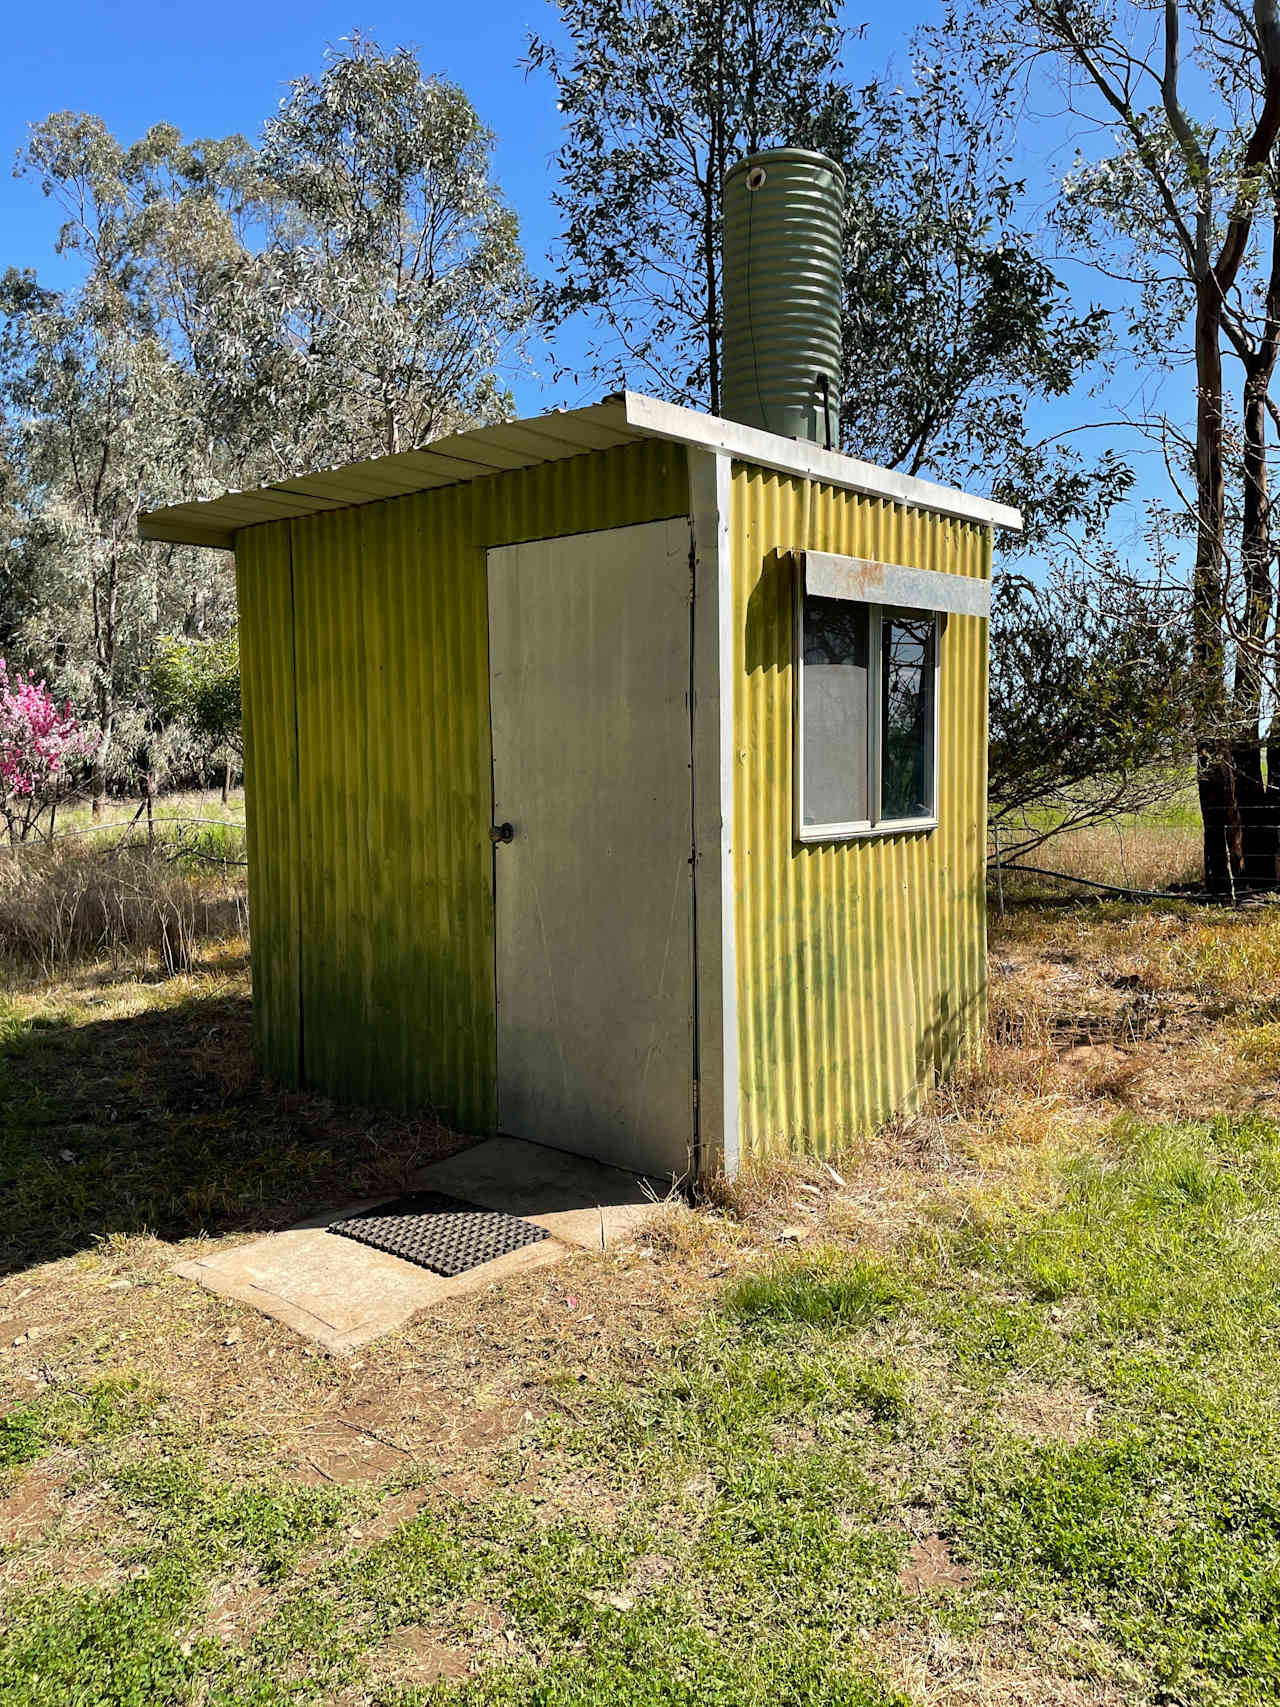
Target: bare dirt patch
pixel 930 1569
pixel 29 1507
pixel 376 1432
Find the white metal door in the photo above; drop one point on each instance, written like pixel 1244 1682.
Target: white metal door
pixel 589 682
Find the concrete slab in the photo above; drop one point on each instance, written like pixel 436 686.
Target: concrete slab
pixel 342 1294
pixel 582 1202
pixel 339 1293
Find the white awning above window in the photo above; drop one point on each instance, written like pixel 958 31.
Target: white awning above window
pixel 828 576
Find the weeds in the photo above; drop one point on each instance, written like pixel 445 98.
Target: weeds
pixel 59 1417
pixel 827 1290
pixel 1156 851
pixel 136 907
pixel 1027 1338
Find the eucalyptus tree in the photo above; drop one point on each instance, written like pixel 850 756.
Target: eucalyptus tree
pixel 954 323
pixel 390 289
pixel 352 285
pixel 103 420
pixel 956 327
pixel 1176 111
pixel 659 97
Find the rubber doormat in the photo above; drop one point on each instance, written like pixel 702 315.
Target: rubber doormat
pixel 438 1232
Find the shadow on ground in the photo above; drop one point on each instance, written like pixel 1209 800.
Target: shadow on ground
pixel 160 1123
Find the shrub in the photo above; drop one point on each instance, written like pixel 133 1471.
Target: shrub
pixel 38 743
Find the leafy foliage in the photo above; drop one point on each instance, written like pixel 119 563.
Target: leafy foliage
pixel 1174 112
pixel 197 682
pixel 1091 710
pixel 955 324
pixel 350 286
pixel 391 284
pixel 39 743
pixel 659 98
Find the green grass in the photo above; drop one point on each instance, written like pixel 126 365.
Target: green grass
pixel 67 1418
pixel 828 1290
pixel 734 1511
pixel 119 811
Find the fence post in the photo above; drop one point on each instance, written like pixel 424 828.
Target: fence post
pixel 995 831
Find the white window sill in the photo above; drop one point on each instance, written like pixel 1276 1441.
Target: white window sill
pixel 863 832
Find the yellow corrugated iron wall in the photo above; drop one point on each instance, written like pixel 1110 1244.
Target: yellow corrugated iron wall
pixel 390 988
pixel 861 964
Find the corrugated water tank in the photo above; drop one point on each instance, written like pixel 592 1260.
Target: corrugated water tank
pixel 783 220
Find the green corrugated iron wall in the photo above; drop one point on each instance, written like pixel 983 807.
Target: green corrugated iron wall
pixel 861 964
pixel 264 586
pixel 368 772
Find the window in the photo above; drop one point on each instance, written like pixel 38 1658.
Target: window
pixel 836 698
pixel 906 728
pixel 866 701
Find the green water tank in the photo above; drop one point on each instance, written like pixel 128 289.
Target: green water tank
pixel 782 286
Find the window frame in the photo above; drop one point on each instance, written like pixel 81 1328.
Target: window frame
pixel 861 830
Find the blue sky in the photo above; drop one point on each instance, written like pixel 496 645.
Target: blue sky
pixel 225 70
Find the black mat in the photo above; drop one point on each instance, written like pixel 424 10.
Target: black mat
pixel 438 1232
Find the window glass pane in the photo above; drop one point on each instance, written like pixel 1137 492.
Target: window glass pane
pixel 834 737
pixel 906 768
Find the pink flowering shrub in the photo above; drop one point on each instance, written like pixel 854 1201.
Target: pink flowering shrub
pixel 39 742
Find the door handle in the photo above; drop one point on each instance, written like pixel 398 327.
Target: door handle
pixel 501 833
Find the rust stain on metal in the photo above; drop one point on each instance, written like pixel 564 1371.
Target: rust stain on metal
pixel 861 578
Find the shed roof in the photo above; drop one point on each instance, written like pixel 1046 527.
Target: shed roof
pixel 623 419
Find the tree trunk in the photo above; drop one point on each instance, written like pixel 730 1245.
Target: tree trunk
pixel 101 753
pixel 1258 807
pixel 226 781
pixel 1260 802
pixel 1215 777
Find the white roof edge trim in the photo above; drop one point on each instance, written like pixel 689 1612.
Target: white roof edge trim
pixel 797 456
pixel 863 580
pixel 629 415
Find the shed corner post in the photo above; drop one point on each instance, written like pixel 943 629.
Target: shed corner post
pixel 717 1149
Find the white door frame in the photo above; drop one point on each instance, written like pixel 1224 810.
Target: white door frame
pixel 717 1149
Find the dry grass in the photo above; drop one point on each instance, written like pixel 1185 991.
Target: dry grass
pixel 1133 854
pixel 998 1668
pixel 1095 1013
pixel 75 817
pixel 133 906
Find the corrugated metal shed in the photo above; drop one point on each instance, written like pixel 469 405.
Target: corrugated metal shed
pixel 833 979
pixel 364 662
pixel 861 963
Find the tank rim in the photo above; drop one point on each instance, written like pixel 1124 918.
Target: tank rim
pixel 798 156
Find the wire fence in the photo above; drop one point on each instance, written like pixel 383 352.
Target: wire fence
pixel 999 869
pixel 153 830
